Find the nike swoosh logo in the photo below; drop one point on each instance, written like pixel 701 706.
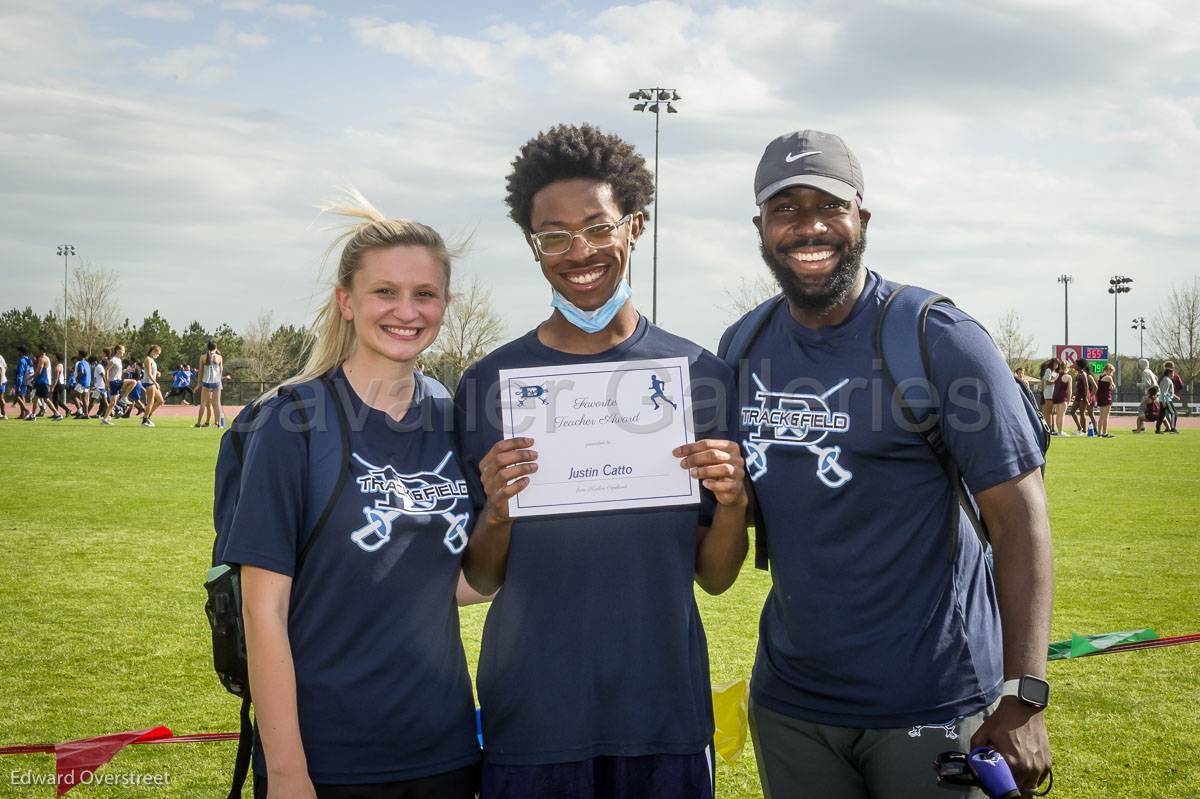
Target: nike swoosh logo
pixel 790 158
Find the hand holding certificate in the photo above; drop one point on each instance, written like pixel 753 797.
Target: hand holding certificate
pixel 606 435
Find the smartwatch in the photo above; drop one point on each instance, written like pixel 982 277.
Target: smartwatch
pixel 1031 690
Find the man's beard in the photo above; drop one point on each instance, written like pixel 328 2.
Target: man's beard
pixel 835 290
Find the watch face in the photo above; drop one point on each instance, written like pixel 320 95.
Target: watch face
pixel 1035 691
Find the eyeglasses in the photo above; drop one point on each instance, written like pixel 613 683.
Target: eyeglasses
pixel 557 242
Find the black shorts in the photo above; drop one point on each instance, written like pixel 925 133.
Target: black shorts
pixel 461 783
pixel 802 758
pixel 40 391
pixel 657 776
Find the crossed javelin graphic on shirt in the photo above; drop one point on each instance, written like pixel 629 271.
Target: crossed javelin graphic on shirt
pixel 378 529
pixel 829 470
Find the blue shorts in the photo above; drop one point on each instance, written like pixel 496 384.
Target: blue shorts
pixel 22 390
pixel 211 386
pixel 114 387
pixel 658 776
pixel 4 387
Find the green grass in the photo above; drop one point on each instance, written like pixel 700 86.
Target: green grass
pixel 104 630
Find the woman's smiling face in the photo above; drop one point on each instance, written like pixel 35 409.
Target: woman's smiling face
pixel 397 300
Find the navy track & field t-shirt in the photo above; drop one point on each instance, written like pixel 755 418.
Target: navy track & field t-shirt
pixel 382 686
pixel 878 617
pixel 594 645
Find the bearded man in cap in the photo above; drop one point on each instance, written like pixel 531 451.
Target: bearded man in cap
pixel 887 637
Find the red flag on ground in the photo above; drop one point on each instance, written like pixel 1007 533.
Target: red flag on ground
pixel 76 761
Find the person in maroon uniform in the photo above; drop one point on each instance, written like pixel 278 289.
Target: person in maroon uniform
pixel 1104 400
pixel 1152 409
pixel 1176 380
pixel 1062 392
pixel 1079 396
pixel 1089 409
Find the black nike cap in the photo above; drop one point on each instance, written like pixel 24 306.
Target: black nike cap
pixel 808 158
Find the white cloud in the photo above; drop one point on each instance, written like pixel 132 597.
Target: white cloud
pixel 421 44
pixel 207 64
pixel 296 12
pixel 40 39
pixel 176 196
pixel 1003 143
pixel 175 12
pixel 230 36
pixel 250 41
pixel 198 65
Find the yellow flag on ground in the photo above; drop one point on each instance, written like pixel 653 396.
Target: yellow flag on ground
pixel 730 710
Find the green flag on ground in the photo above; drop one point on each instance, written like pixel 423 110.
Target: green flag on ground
pixel 1080 645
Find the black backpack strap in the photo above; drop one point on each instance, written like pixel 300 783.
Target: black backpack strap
pixel 241 763
pixel 732 349
pixel 745 331
pixel 325 394
pixel 904 355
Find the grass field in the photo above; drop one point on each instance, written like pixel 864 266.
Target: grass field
pixel 104 628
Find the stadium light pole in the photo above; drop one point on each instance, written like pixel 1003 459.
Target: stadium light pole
pixel 66 251
pixel 1066 281
pixel 1139 324
pixel 1117 285
pixel 653 100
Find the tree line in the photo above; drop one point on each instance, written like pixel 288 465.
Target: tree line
pixel 262 352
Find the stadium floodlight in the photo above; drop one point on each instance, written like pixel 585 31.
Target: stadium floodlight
pixel 66 251
pixel 1139 324
pixel 1117 285
pixel 654 97
pixel 1066 280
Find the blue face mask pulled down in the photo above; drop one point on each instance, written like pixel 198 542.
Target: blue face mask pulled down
pixel 592 321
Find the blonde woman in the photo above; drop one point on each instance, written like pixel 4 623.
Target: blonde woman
pixel 359 678
pixel 154 397
pixel 212 364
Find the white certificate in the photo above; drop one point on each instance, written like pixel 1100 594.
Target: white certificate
pixel 603 432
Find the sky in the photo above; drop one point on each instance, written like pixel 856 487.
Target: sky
pixel 187 145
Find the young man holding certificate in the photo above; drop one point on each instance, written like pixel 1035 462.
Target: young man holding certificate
pixel 600 442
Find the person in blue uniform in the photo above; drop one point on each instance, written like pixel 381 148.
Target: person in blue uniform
pixel 881 643
pixel 81 389
pixel 593 672
pixel 21 383
pixel 180 381
pixel 43 380
pixel 358 673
